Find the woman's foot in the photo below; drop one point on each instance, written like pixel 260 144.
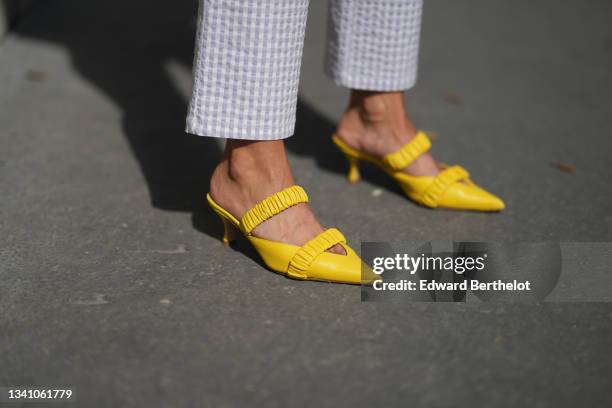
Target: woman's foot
pixel 253 170
pixel 377 123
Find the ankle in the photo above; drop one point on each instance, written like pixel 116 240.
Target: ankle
pixel 248 172
pixel 256 162
pixel 376 121
pixel 376 107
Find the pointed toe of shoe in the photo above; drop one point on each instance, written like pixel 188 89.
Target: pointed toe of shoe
pixel 337 268
pixel 470 197
pixel 368 277
pixel 493 203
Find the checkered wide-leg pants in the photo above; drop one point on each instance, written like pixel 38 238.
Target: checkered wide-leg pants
pixel 248 55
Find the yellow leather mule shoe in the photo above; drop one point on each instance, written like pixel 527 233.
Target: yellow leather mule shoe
pixel 309 262
pixel 452 188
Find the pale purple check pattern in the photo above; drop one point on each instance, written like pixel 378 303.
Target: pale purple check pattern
pixel 374 44
pixel 248 56
pixel 246 68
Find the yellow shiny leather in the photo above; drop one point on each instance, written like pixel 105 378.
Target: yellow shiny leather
pixel 452 188
pixel 309 262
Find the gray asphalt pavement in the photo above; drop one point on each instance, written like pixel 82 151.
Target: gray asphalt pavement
pixel 113 279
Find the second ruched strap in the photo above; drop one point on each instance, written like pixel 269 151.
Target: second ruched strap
pixel 306 255
pixel 441 183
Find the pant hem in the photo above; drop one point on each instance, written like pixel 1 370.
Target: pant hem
pixel 206 132
pixel 370 84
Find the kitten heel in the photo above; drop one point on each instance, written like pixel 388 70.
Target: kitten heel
pixel 230 233
pixel 353 172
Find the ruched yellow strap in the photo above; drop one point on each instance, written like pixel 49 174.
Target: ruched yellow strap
pixel 441 183
pixel 269 207
pixel 305 256
pixel 409 153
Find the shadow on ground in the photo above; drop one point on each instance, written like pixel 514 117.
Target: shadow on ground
pixel 123 49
